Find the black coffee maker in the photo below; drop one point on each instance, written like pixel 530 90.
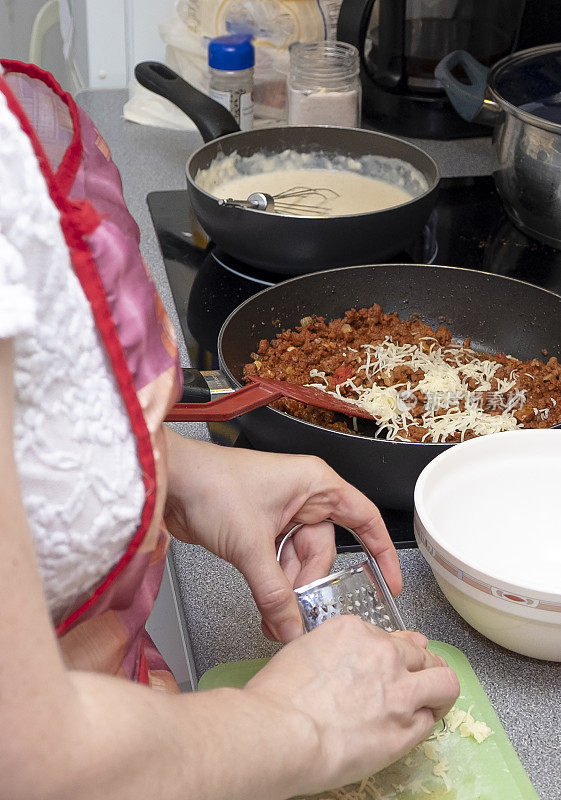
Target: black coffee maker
pixel 402 41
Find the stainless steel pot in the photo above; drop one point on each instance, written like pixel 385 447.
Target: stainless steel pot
pixel 521 97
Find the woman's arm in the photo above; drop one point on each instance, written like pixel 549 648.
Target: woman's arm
pixel 237 502
pixel 71 735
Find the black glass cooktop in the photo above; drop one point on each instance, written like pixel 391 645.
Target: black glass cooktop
pixel 468 228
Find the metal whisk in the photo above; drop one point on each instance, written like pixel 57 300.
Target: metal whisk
pixel 280 203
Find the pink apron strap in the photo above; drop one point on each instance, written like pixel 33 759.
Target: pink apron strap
pixel 78 220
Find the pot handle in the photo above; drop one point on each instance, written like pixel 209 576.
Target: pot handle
pixel 467 98
pixel 352 24
pixel 195 387
pixel 211 118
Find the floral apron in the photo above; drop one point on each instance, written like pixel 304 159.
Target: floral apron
pixel 105 633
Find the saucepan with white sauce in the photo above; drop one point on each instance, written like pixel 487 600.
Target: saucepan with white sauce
pixel 340 196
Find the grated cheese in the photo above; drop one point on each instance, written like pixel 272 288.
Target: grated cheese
pixel 467 725
pixel 441 771
pixel 477 730
pixel 426 770
pixel 446 371
pixel 430 751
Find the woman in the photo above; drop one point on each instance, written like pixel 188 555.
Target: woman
pixel 88 369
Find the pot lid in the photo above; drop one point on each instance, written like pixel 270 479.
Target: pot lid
pixel 530 82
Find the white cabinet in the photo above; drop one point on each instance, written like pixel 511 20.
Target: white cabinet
pixel 113 35
pixel 110 37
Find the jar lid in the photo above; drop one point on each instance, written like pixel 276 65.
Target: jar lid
pixel 324 64
pixel 232 52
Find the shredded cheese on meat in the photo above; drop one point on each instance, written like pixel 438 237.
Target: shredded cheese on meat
pixel 453 380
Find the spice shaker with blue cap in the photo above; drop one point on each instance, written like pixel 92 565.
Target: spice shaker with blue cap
pixel 231 60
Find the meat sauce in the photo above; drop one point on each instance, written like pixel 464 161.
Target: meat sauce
pixel 336 349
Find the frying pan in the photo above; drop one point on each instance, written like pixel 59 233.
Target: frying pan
pixel 291 245
pixel 498 313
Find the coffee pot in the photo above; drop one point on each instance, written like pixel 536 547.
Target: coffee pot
pixel 401 42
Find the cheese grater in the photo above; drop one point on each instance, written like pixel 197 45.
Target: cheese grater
pixel 359 589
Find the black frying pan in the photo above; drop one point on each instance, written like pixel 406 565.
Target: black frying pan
pixel 284 244
pixel 499 314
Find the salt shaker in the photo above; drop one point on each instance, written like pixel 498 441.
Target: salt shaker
pixel 231 61
pixel 360 590
pixel 324 84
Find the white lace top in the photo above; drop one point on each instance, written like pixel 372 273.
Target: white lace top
pixel 75 452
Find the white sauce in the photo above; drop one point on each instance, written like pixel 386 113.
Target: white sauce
pixel 363 185
pixel 343 192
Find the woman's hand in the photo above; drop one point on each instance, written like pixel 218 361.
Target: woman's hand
pixel 368 696
pixel 236 503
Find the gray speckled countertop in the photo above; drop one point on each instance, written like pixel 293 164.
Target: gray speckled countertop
pixel 222 621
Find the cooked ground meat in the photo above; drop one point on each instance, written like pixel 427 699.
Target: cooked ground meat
pixel 345 356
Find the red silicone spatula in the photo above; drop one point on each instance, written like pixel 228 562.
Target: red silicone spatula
pixel 260 392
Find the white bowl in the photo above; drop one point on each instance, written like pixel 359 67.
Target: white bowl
pixel 488 522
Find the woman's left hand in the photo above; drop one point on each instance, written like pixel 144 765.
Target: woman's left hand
pixel 237 503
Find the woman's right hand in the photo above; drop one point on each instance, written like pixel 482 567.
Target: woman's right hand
pixel 370 697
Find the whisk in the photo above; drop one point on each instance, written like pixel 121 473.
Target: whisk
pixel 281 203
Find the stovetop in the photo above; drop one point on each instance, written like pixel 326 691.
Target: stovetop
pixel 468 228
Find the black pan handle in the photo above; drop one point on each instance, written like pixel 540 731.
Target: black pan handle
pixel 195 388
pixel 211 119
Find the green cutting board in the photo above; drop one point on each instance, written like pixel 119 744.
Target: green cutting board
pixel 490 770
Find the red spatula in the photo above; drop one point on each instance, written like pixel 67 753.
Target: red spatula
pixel 260 392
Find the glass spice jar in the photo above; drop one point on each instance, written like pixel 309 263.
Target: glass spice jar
pixel 324 84
pixel 231 62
